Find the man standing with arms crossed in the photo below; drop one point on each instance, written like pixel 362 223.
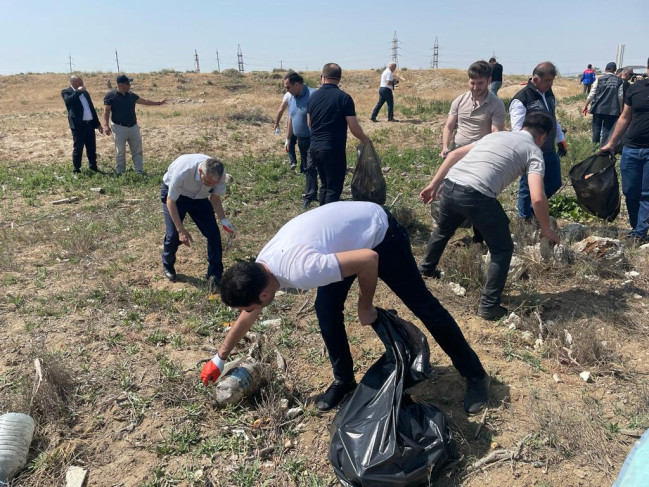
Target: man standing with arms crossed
pixel 537 96
pixel 385 93
pixel 120 103
pixel 330 111
pixel 83 121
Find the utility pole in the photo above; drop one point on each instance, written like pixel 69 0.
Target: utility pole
pixel 218 62
pixel 240 58
pixel 619 56
pixel 281 67
pixel 436 54
pixel 197 66
pixel 395 48
pixel 117 61
pixel 70 62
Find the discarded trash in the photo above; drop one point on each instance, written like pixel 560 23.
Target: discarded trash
pixel 382 436
pixel 512 321
pixel 16 431
pixel 557 379
pixel 596 186
pixel 100 191
pixel 586 376
pixel 273 322
pixel 457 289
pixel 635 470
pixel 294 413
pixel 238 382
pixel 63 201
pixel 75 476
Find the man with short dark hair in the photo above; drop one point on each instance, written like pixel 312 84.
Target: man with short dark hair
pixel 328 248
pixel 120 103
pixel 471 178
pixel 83 121
pixel 496 76
pixel 538 96
pixel 385 93
pixel 587 78
pixel 330 111
pixel 194 184
pixel 606 98
pixel 298 126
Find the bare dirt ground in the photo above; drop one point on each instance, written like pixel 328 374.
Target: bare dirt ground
pixel 81 288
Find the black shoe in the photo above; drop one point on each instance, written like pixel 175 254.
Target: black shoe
pixel 392 120
pixel 334 395
pixel 635 240
pixel 76 171
pixel 214 283
pixel 306 204
pixel 169 273
pixel 373 120
pixel 492 313
pixel 94 169
pixel 292 167
pixel 477 394
pixel 434 273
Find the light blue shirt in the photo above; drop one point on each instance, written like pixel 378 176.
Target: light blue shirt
pixel 183 179
pixel 297 111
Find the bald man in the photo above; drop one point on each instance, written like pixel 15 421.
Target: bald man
pixel 83 121
pixel 385 93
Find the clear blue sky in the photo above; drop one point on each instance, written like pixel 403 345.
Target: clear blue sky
pixel 39 35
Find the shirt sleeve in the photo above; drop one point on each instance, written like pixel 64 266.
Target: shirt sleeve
pixel 593 89
pixel 350 108
pixel 560 135
pixel 454 106
pixel 108 99
pixel 499 113
pixel 537 165
pixel 517 112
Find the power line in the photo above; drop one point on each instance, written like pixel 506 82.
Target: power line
pixel 395 48
pixel 218 62
pixel 435 63
pixel 240 58
pixel 197 66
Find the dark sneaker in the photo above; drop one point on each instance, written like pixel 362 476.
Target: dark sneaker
pixel 76 171
pixel 492 313
pixel 373 120
pixel 434 273
pixel 477 394
pixel 292 167
pixel 169 273
pixel 334 395
pixel 635 240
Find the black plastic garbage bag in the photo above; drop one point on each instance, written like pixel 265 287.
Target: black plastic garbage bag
pixel 368 183
pixel 381 437
pixel 596 187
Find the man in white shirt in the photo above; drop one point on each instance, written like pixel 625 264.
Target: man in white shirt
pixel 193 184
pixel 470 179
pixel 385 93
pixel 328 248
pixel 289 143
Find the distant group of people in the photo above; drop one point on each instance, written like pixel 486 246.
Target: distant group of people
pixel 329 247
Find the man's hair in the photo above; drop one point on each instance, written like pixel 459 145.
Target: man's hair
pixel 332 70
pixel 294 77
pixel 492 60
pixel 618 71
pixel 213 167
pixel 590 66
pixel 544 68
pixel 538 122
pixel 479 69
pixel 242 284
pixel 392 64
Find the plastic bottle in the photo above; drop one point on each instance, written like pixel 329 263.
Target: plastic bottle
pixel 239 382
pixel 16 432
pixel 277 130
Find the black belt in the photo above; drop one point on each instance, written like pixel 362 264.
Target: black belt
pixel 458 187
pixel 88 121
pixel 127 126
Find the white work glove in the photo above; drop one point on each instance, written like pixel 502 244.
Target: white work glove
pixel 227 226
pixel 286 142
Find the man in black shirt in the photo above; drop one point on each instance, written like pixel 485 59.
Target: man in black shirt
pixel 120 103
pixel 496 76
pixel 329 112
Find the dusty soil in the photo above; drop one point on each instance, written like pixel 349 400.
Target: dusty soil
pixel 81 286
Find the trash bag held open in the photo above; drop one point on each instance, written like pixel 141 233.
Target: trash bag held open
pixel 368 183
pixel 382 437
pixel 596 186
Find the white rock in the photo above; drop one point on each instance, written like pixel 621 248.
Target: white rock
pixel 273 322
pixel 293 413
pixel 586 376
pixel 573 232
pixel 557 379
pixel 567 337
pixel 527 335
pixel 512 319
pixel 512 326
pixel 538 343
pixel 76 476
pixel 631 274
pixel 283 404
pixel 457 289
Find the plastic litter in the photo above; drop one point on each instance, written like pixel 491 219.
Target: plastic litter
pixel 368 183
pixel 238 382
pixel 596 186
pixel 16 432
pixel 383 437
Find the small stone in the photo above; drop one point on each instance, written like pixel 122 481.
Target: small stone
pixel 557 379
pixel 527 335
pixel 293 413
pixel 457 289
pixel 632 274
pixel 538 343
pixel 283 404
pixel 586 376
pixel 512 326
pixel 76 476
pixel 494 444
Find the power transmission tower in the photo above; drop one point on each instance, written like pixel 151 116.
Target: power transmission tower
pixel 218 62
pixel 70 62
pixel 117 61
pixel 240 58
pixel 197 66
pixel 395 48
pixel 436 54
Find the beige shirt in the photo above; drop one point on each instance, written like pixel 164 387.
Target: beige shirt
pixel 475 121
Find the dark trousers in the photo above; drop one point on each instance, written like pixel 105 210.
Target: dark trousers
pixel 308 168
pixel 331 165
pixel 551 184
pixel 398 269
pixel 202 212
pixel 602 127
pixel 385 95
pixel 84 136
pixel 487 215
pixel 292 156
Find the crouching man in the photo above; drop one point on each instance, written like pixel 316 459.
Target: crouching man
pixel 470 179
pixel 193 184
pixel 328 248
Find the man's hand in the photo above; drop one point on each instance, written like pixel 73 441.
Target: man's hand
pixel 367 315
pixel 212 370
pixel 606 148
pixel 107 130
pixel 444 152
pixel 227 226
pixel 585 110
pixel 562 149
pixel 429 193
pixel 185 237
pixel 550 234
pixel 101 129
pixel 286 144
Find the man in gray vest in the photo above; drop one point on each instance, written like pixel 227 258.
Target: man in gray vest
pixel 605 100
